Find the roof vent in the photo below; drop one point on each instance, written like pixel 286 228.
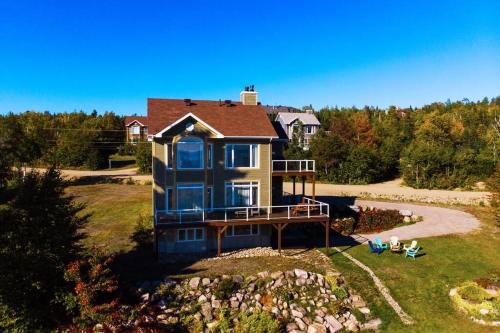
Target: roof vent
pixel 187 101
pixel 228 102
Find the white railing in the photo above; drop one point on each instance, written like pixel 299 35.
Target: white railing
pixel 312 208
pixel 294 166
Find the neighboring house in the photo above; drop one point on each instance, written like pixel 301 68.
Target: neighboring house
pixel 292 122
pixel 275 109
pixel 218 176
pixel 137 128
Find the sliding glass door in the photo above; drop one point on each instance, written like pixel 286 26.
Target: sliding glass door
pixel 242 194
pixel 190 196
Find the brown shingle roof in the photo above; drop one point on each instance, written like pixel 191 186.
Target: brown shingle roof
pixel 141 119
pixel 234 120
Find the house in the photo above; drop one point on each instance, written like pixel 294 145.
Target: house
pixel 137 128
pixel 293 122
pixel 218 176
pixel 275 109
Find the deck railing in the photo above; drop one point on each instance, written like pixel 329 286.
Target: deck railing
pixel 294 166
pixel 311 208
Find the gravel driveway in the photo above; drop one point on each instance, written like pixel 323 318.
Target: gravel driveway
pixel 437 221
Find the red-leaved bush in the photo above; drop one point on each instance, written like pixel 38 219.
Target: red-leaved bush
pixel 376 220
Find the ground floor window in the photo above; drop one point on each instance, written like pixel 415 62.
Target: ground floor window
pixel 242 194
pixel 190 234
pixel 242 230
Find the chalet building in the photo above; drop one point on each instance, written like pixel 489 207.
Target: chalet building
pixel 218 176
pixel 305 121
pixel 137 128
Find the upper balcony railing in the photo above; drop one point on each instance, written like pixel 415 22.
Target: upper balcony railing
pixel 294 166
pixel 310 209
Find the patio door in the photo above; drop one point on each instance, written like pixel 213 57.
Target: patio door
pixel 242 194
pixel 190 197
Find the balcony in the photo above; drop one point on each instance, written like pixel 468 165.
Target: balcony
pixel 293 167
pixel 309 211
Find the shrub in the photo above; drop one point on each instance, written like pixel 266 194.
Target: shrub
pixel 340 292
pixel 377 220
pixel 258 322
pixel 143 233
pixel 345 226
pixel 94 298
pixel 144 157
pixel 283 294
pixel 225 288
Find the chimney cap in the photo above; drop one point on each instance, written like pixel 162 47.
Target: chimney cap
pixel 187 101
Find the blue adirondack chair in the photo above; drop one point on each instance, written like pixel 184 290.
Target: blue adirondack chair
pixel 381 245
pixel 412 252
pixel 374 248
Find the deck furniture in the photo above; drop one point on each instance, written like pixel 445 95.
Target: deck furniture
pixel 412 246
pixel 381 245
pixel 395 244
pixel 303 207
pixel 374 248
pixel 412 252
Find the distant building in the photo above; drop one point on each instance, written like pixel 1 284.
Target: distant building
pixel 275 109
pixel 137 128
pixel 291 122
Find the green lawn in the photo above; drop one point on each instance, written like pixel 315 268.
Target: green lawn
pixel 421 287
pixel 114 210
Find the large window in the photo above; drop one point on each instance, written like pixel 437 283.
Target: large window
pixel 190 196
pixel 242 230
pixel 136 129
pixel 308 129
pixel 242 194
pixel 242 156
pixel 190 153
pixel 169 155
pixel 190 234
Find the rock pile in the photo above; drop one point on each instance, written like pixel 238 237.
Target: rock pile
pixel 302 301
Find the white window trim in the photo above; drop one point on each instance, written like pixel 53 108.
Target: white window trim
pixel 226 164
pixel 194 234
pixel 202 156
pixel 191 186
pixel 134 128
pixel 246 235
pixel 232 184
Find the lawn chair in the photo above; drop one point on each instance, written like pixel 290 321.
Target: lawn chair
pixel 395 244
pixel 374 248
pixel 381 245
pixel 412 252
pixel 412 246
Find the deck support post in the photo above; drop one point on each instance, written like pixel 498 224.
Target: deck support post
pixel 327 236
pixel 293 192
pixel 279 238
pixel 303 186
pixel 220 230
pixel 314 186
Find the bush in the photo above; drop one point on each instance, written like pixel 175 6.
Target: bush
pixel 345 226
pixel 144 157
pixel 143 233
pixel 225 288
pixel 259 322
pixel 376 220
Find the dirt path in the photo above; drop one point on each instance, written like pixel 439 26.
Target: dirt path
pixel 437 221
pixel 394 190
pixel 118 174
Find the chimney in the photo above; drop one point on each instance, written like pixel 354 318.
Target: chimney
pixel 248 96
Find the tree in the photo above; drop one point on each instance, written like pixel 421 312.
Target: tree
pixel 144 157
pixel 39 235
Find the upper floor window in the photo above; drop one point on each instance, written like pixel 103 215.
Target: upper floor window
pixel 136 130
pixel 308 129
pixel 190 153
pixel 169 155
pixel 242 156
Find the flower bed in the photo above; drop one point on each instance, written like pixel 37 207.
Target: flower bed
pixel 479 300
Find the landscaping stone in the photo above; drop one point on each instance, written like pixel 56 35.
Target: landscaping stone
pixel 205 281
pixel 194 282
pixel 316 328
pixel 333 323
pixel 372 324
pixel 300 323
pixel 300 273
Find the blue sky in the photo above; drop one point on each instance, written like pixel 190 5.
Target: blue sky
pixel 112 55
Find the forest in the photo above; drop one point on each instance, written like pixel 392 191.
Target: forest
pixel 441 145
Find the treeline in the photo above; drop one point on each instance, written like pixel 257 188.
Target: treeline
pixel 67 140
pixel 440 145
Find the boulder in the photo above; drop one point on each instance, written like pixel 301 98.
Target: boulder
pixel 372 324
pixel 194 282
pixel 238 278
pixel 291 327
pixel 333 323
pixel 316 328
pixel 216 303
pixel 263 274
pixel 297 314
pixel 206 311
pixel 205 282
pixel 300 323
pixel 406 212
pixel 300 273
pixel 276 275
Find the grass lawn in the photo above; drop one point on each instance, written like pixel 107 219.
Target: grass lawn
pixel 421 287
pixel 114 210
